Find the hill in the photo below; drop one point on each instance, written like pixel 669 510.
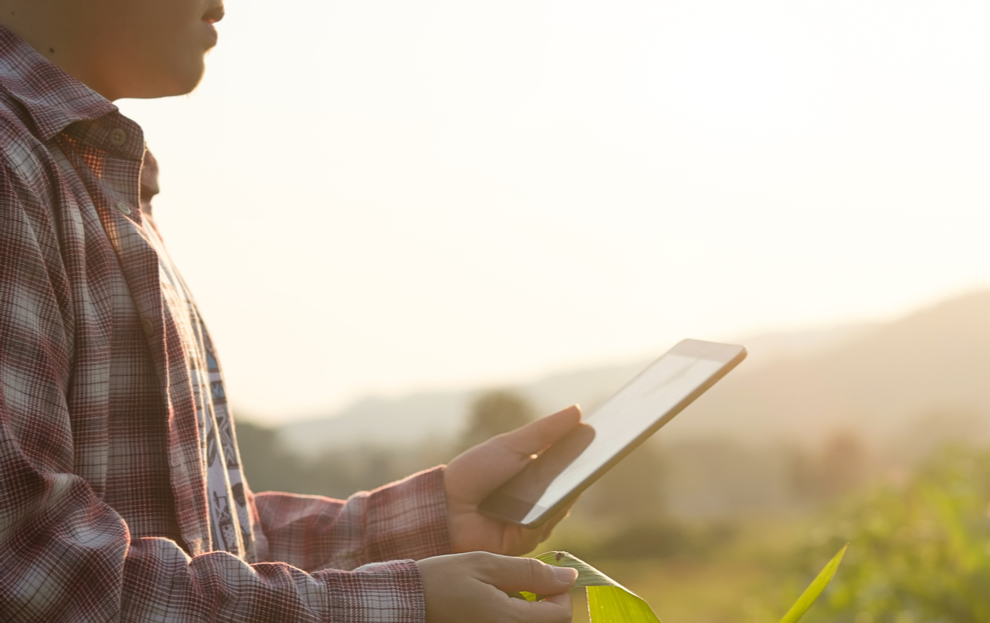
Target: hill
pixel 931 366
pixel 925 373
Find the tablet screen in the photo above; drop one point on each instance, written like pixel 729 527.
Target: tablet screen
pixel 649 400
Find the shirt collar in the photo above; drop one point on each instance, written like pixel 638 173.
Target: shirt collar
pixel 51 97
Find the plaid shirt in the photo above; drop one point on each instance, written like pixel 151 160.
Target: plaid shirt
pixel 103 497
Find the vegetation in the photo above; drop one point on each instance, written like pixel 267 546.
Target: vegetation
pixel 921 549
pixel 610 602
pixel 919 552
pixel 270 466
pixel 918 534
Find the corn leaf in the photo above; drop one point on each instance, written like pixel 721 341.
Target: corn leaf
pixel 614 604
pixel 608 601
pixel 810 594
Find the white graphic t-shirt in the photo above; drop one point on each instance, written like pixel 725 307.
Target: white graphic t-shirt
pixel 230 524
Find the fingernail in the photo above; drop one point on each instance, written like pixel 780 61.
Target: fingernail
pixel 566 575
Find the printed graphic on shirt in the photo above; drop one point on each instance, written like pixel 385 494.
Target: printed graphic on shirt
pixel 217 478
pixel 231 455
pixel 225 523
pixel 230 522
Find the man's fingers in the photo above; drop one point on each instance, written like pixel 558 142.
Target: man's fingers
pixel 537 435
pixel 563 599
pixel 474 587
pixel 529 574
pixel 473 475
pixel 526 574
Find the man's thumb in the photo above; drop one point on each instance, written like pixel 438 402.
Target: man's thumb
pixel 528 574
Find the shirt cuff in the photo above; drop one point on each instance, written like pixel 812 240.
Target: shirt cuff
pixel 408 519
pixel 384 592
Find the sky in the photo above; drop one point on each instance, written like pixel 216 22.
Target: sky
pixel 384 196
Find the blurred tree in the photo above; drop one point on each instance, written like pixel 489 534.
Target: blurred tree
pixel 630 493
pixel 843 465
pixel 803 474
pixel 659 537
pixel 493 413
pixel 337 473
pixel 267 465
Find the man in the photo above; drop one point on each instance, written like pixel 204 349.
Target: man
pixel 121 493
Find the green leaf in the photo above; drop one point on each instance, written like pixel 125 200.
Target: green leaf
pixel 608 601
pixel 614 604
pixel 810 594
pixel 587 575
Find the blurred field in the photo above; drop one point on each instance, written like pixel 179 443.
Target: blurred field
pixel 919 534
pixel 718 527
pixel 919 553
pixel 701 593
pixel 748 580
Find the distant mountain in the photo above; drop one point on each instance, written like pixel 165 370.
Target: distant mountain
pixel 933 365
pixel 767 347
pixel 930 369
pixel 440 416
pixel 403 421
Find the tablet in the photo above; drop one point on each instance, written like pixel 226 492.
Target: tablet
pixel 610 432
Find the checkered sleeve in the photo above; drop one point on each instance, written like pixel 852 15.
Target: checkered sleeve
pixel 65 555
pixel 403 520
pixel 161 583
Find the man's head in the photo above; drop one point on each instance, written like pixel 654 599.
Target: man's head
pixel 121 48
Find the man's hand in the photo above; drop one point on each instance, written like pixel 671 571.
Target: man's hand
pixel 476 473
pixel 472 587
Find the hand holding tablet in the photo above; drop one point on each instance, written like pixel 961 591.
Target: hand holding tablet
pixel 565 469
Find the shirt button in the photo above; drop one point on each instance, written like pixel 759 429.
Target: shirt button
pixel 118 137
pixel 123 207
pixel 149 327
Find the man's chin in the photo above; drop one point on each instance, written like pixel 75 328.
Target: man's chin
pixel 186 82
pixel 175 81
